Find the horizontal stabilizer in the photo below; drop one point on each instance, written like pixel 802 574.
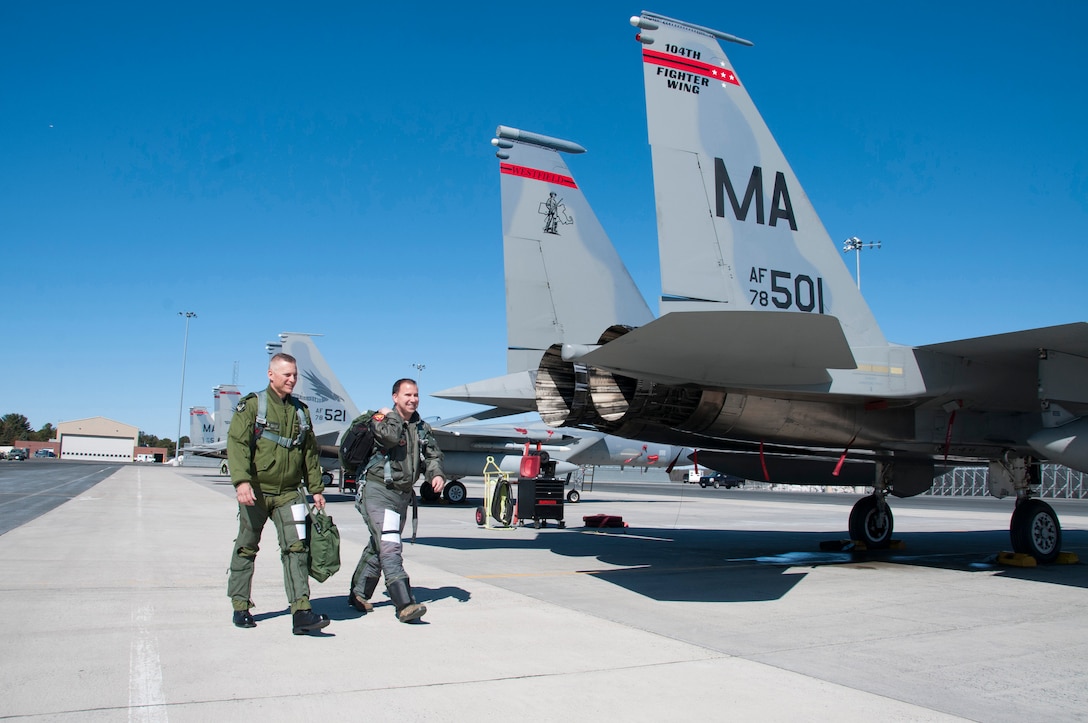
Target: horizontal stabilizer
pixel 514 391
pixel 744 348
pixel 470 417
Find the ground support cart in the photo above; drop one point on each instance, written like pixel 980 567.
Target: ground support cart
pixel 498 498
pixel 540 499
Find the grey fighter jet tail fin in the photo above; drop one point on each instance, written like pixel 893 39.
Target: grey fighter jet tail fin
pixel 201 426
pixel 735 229
pixel 565 283
pixel 330 406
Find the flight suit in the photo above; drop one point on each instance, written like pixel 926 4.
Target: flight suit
pixel 403 451
pixel 275 472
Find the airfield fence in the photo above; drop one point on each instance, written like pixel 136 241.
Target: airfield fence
pixel 1058 482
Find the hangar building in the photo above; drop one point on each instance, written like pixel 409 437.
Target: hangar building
pixel 97 438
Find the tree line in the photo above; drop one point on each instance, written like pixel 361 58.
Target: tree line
pixel 16 427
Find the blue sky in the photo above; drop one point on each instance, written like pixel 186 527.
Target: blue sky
pixel 327 168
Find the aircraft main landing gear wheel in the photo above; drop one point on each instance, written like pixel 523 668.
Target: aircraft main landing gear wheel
pixel 871 522
pixel 1035 531
pixel 481 516
pixel 573 496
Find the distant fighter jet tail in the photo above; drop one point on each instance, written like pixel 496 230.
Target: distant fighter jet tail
pixel 330 406
pixel 201 426
pixel 227 397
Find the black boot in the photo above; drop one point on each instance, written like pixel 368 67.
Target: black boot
pixel 243 619
pixel 408 609
pixel 307 621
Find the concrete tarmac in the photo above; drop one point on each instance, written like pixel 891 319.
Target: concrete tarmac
pixel 707 607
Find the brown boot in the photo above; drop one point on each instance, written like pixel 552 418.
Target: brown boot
pixel 413 611
pixel 407 608
pixel 360 603
pixel 363 604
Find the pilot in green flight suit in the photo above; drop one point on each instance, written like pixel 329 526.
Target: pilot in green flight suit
pixel 271 449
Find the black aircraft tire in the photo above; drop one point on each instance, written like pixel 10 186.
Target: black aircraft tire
pixel 427 493
pixel 573 496
pixel 1034 530
pixel 480 516
pixel 869 526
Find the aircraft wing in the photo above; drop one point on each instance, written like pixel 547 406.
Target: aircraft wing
pixel 1018 348
pixel 1014 372
pixel 215 449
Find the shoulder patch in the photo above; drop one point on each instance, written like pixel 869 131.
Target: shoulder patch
pixel 241 406
pixel 378 416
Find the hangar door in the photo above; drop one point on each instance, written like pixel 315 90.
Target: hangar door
pixel 106 449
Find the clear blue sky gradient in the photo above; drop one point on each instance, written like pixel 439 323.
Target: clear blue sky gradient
pixel 326 168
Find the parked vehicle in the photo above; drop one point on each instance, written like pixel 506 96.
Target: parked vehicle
pixel 18 453
pixel 45 453
pixel 719 479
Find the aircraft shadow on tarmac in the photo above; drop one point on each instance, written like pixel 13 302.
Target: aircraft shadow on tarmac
pixel 750 566
pixel 731 565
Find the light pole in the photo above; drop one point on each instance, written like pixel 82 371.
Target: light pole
pixel 419 368
pixel 181 404
pixel 855 244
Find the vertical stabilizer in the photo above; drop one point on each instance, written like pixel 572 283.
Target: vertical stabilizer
pixel 227 397
pixel 330 406
pixel 761 246
pixel 565 283
pixel 201 426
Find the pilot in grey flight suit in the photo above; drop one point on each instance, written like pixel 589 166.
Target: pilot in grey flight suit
pixel 404 448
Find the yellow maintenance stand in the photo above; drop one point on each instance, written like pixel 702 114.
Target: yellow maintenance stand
pixel 498 499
